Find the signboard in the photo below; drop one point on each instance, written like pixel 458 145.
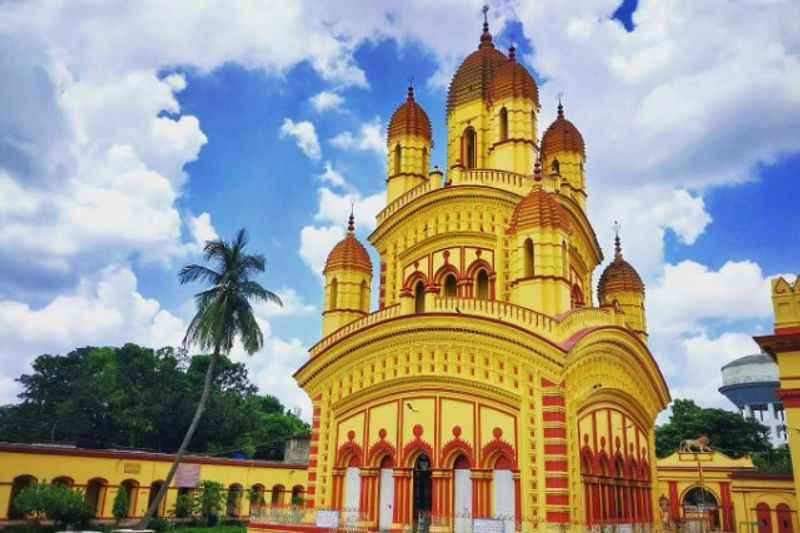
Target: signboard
pixel 625 528
pixel 328 519
pixel 132 468
pixel 187 476
pixel 487 525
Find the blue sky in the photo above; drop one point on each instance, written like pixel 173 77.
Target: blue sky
pixel 130 144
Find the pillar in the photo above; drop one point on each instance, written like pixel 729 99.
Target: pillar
pixel 338 489
pixel 401 508
pixel 481 493
pixel 368 504
pixel 727 506
pixel 674 503
pixel 442 505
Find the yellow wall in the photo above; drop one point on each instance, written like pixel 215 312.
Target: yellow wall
pixel 116 467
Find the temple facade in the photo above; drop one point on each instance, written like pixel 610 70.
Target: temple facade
pixel 491 381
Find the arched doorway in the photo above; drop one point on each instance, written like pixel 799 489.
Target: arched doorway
pixel 386 490
pixel 277 495
pixel 297 495
pixel 352 493
pixel 95 495
pixel 17 485
pixel 131 488
pixel 234 500
pixel 155 486
pixel 423 493
pixel 450 286
pixel 764 518
pixel 462 495
pixel 419 297
pixel 469 141
pixel 482 284
pixel 784 514
pixel 700 504
pixel 504 497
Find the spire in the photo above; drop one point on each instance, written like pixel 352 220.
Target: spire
pixel 351 223
pixel 560 107
pixel 512 53
pixel 617 243
pixel 537 171
pixel 486 37
pixel 410 97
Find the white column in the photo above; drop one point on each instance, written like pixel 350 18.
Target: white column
pixel 748 412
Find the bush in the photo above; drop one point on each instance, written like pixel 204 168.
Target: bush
pixel 208 500
pixel 60 504
pixel 159 525
pixel 120 507
pixel 183 506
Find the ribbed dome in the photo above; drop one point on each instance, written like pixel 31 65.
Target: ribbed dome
pixel 410 119
pixel 618 276
pixel 562 136
pixel 538 210
pixel 513 80
pixel 474 76
pixel 349 254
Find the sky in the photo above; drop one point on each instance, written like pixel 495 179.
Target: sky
pixel 132 132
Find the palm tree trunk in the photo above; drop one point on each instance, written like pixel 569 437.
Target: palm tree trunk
pixel 198 414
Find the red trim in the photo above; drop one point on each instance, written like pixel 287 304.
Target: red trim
pixel 789 397
pixel 144 456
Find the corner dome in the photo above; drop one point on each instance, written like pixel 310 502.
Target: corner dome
pixel 473 78
pixel 562 136
pixel 410 119
pixel 349 254
pixel 539 209
pixel 512 80
pixel 618 276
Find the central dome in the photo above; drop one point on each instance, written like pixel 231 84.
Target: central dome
pixel 474 77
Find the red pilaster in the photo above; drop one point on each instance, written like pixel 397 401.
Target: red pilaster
pixel 727 507
pixel 675 505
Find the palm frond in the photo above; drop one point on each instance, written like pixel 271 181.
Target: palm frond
pixel 253 289
pixel 194 272
pixel 255 263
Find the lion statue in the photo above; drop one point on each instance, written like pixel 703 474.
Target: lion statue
pixel 700 444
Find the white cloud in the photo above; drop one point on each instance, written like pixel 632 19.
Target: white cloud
pixel 304 134
pixel 202 230
pixel 326 100
pixel 316 243
pixel 293 305
pixel 370 137
pixel 335 208
pixel 107 309
pixel 330 175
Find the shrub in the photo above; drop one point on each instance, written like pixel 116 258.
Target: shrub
pixel 159 525
pixel 209 499
pixel 183 506
pixel 120 507
pixel 60 504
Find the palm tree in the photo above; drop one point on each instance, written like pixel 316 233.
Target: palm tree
pixel 224 314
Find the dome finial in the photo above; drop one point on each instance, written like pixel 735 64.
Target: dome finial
pixel 617 242
pixel 512 52
pixel 351 222
pixel 410 97
pixel 537 171
pixel 486 37
pixel 560 106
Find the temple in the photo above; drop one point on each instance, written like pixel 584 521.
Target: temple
pixel 487 383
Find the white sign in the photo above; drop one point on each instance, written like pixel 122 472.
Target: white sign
pixel 328 519
pixel 626 528
pixel 187 476
pixel 487 525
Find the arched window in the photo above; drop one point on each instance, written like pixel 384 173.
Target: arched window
pixel 419 297
pixel 364 296
pixel 503 124
pixel 63 481
pixel 131 487
pixel 95 495
pixel 565 259
pixel 256 495
pixel 450 286
pixel 397 156
pixel 482 285
pixel 784 518
pixel 533 126
pixel 155 486
pixel 277 495
pixel 334 294
pixel 528 258
pixel 234 500
pixel 764 517
pixel 17 485
pixel 555 167
pixel 577 297
pixel 297 495
pixel 504 497
pixel 424 161
pixel 470 142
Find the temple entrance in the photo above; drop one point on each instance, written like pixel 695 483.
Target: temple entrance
pixel 422 494
pixel 700 510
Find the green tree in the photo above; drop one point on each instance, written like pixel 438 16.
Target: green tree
pixel 120 506
pixel 209 499
pixel 728 432
pixel 224 313
pixel 62 505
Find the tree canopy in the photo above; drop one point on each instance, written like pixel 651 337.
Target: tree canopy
pixel 728 432
pixel 137 397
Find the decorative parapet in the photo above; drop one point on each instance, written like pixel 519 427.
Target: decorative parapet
pixel 786 303
pixel 519 184
pixel 558 329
